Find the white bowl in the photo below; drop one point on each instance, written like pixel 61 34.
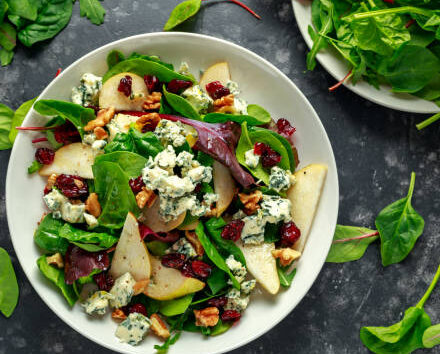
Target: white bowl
pixel 337 67
pixel 261 83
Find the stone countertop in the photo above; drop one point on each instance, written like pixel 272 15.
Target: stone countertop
pixel 376 149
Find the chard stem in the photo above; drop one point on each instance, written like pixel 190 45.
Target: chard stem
pixel 430 289
pixel 394 10
pixel 428 121
pixel 372 234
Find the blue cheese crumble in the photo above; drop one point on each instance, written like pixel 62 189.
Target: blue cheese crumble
pixel 247 286
pixel 253 229
pixel 133 329
pixel 233 87
pixel 279 179
pixel 87 93
pixel 122 290
pixel 236 302
pixel 97 303
pixel 198 99
pixel 91 220
pixel 62 208
pixel 237 269
pixel 251 160
pixel 120 124
pixel 182 246
pixel 170 132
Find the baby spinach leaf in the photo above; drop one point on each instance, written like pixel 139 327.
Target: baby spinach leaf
pixel 8 285
pixel 180 105
pixel 87 240
pixel 93 10
pixel 78 115
pixel 47 235
pixel 271 233
pixel 6 57
pixel 204 159
pixel 176 330
pixel 181 13
pixel 144 67
pixel 131 163
pixel 431 91
pixel 286 275
pixel 23 8
pixel 220 328
pixel 8 36
pixel 212 253
pixel 56 276
pixel 154 58
pixel 18 118
pixel 259 113
pixel 226 117
pixel 350 243
pixel 114 57
pixel 157 248
pixel 431 337
pixel 146 144
pixel 34 167
pixel 52 18
pixel 399 226
pixel 176 306
pixel 50 134
pixel 115 195
pixel 217 281
pixel 6 115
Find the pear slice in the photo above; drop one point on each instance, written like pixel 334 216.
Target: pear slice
pixel 216 72
pixel 151 218
pixel 109 95
pixel 72 159
pixel 168 283
pixel 305 195
pixel 262 265
pixel 224 186
pixel 131 254
pixel 120 124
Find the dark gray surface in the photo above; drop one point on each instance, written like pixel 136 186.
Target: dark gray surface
pixel 375 148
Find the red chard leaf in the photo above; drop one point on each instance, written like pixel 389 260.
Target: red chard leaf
pixel 80 263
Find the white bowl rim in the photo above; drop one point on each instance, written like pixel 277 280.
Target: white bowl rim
pixel 183 35
pixel 360 89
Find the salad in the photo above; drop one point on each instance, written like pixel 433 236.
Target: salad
pixel 169 201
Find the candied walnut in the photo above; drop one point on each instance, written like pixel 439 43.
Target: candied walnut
pixel 194 240
pixel 159 327
pixel 100 133
pixel 225 104
pixel 51 181
pixel 152 101
pixel 118 315
pixel 148 122
pixel 286 255
pixel 207 317
pixel 92 205
pixel 56 260
pixel 104 117
pixel 250 201
pixel 140 286
pixel 145 197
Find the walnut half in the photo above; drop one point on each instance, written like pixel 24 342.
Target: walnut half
pixel 250 201
pixel 286 255
pixel 159 327
pixel 207 317
pixel 92 205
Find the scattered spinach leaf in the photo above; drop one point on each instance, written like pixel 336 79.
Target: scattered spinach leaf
pixel 271 232
pixel 6 115
pixel 181 13
pixel 18 118
pixel 8 36
pixel 87 240
pixel 131 163
pixel 93 10
pixel 431 337
pixel 217 281
pixel 8 285
pixel 23 8
pixel 114 57
pixel 6 57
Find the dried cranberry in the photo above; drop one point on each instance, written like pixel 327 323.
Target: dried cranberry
pixel 125 85
pixel 104 281
pixel 230 315
pixel 44 156
pixel 259 148
pixel 187 270
pixel 284 128
pixel 138 308
pixel 269 157
pixel 152 83
pixel 289 233
pixel 201 269
pixel 198 188
pixel 66 134
pixel 218 302
pixel 72 186
pixel 177 86
pixel 173 260
pixel 232 231
pixel 216 90
pixel 136 184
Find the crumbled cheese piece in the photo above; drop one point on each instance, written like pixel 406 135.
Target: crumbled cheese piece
pixel 54 200
pixel 233 87
pixel 97 303
pixel 200 174
pixel 170 208
pixel 122 290
pixel 166 159
pixel 198 98
pixel 90 220
pixel 99 144
pixel 73 213
pixel 276 209
pixel 89 138
pixel 170 132
pixel 120 124
pixel 279 179
pixel 182 246
pixel 87 93
pixel 185 159
pixel 237 269
pixel 253 229
pixel 247 286
pixel 240 106
pixel 236 302
pixel 210 198
pixel 133 329
pixel 251 159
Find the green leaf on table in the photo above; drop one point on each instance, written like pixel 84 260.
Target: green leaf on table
pixel 52 18
pixel 34 167
pixel 399 226
pixel 56 276
pixel 18 118
pixel 8 285
pixel 93 10
pixel 8 36
pixel 176 306
pixel 6 115
pixel 3 9
pixel 181 13
pixel 350 243
pixel 114 57
pixel 181 105
pixel 23 8
pixel 6 57
pixel 286 275
pixel 431 337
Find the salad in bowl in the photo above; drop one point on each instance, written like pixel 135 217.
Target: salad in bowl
pixel 170 201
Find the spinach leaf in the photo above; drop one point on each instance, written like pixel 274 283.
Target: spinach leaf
pixel 399 226
pixel 18 118
pixel 50 134
pixel 431 337
pixel 56 276
pixel 93 10
pixel 3 9
pixel 6 115
pixel 350 243
pixel 47 235
pixel 6 57
pixel 145 144
pixel 23 8
pixel 286 275
pixel 154 58
pixel 8 36
pixel 181 13
pixel 34 167
pixel 180 105
pixel 217 281
pixel 212 253
pixel 114 57
pixel 431 91
pixel 176 330
pixel 52 18
pixel 157 248
pixel 131 163
pixel 78 115
pixel 259 113
pixel 144 67
pixel 115 195
pixel 227 247
pixel 176 306
pixel 8 285
pixel 204 159
pixel 220 328
pixel 121 142
pixel 271 232
pixel 88 240
pixel 238 118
